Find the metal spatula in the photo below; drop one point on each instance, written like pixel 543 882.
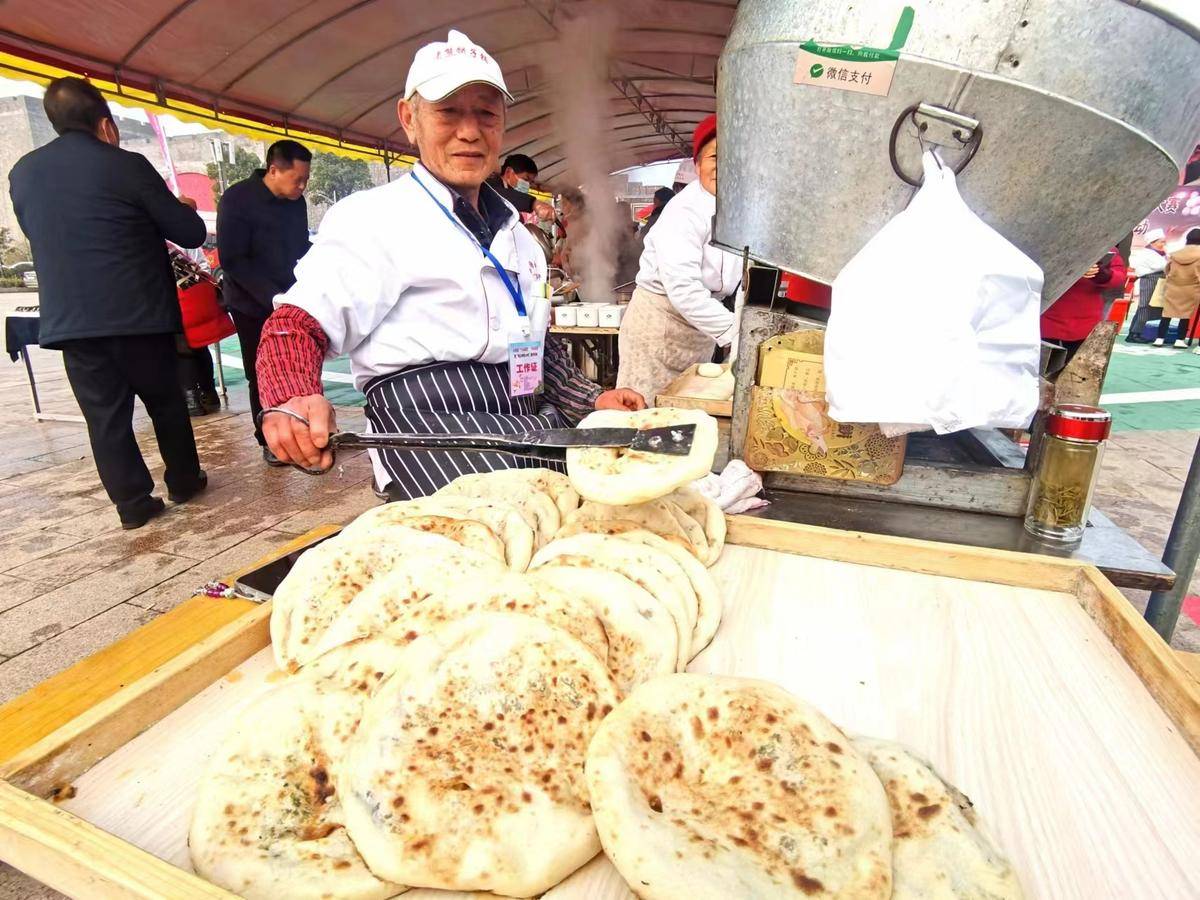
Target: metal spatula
pixel 550 444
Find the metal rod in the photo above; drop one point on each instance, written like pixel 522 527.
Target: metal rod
pixel 37 407
pixel 220 371
pixel 1183 547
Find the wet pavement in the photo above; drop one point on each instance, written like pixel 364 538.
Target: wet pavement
pixel 72 581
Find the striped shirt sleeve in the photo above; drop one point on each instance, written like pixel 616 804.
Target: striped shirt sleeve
pixel 290 352
pixel 566 387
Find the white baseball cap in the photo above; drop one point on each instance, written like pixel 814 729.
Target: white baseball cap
pixel 441 68
pixel 1154 234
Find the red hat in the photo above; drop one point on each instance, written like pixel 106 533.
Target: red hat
pixel 705 132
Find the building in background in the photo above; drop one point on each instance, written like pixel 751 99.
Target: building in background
pixel 24 127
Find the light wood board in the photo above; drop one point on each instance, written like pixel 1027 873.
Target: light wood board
pixel 1014 693
pixel 693 391
pixel 584 330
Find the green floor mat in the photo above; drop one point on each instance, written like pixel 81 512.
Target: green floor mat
pixel 338 391
pixel 1145 369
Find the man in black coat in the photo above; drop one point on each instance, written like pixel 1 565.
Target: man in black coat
pixel 262 230
pixel 97 218
pixel 514 181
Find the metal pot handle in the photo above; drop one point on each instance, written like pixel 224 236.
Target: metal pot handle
pixel 958 121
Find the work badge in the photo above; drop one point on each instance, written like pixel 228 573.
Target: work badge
pixel 524 365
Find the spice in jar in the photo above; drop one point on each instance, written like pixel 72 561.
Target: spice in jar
pixel 1061 494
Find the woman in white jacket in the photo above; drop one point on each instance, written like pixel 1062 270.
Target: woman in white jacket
pixel 677 317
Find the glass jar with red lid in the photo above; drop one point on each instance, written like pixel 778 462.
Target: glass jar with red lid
pixel 1061 494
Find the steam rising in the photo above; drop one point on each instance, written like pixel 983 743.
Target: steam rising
pixel 582 95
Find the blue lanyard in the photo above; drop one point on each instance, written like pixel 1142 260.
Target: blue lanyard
pixel 514 290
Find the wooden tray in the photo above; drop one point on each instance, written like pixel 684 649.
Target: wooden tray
pixel 1029 682
pixel 692 391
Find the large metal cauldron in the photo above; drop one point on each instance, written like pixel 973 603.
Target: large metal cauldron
pixel 1087 110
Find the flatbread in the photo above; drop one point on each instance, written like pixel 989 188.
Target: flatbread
pixel 643 641
pixel 267 822
pixel 327 577
pixel 548 481
pixel 609 475
pixel 467 770
pixel 653 515
pixel 710 787
pixel 470 533
pixel 537 506
pixel 383 601
pixel 340 682
pixel 645 566
pixel 512 526
pixel 708 594
pixel 693 529
pixel 938 851
pixel 708 513
pixel 502 593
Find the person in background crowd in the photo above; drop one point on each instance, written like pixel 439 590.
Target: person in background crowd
pixel 1071 318
pixel 197 378
pixel 1181 296
pixel 628 247
pixel 516 177
pixel 572 215
pixel 1147 263
pixel 661 198
pixel 98 219
pixel 678 315
pixel 262 231
pixel 434 288
pixel 1151 257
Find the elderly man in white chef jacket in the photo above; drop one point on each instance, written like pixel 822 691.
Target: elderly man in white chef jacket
pixel 438 293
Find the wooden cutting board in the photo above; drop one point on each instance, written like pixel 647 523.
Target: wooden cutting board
pixel 693 391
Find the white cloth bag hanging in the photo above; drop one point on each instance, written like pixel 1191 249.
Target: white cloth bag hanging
pixel 935 321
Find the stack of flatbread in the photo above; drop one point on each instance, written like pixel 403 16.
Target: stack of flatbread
pixel 484 693
pixel 452 657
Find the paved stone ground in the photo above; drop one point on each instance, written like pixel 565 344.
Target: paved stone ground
pixel 71 581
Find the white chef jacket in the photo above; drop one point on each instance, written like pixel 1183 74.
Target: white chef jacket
pixel 394 282
pixel 679 261
pixel 1146 261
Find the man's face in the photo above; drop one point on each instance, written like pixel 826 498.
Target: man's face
pixel 706 167
pixel 511 177
pixel 458 137
pixel 289 183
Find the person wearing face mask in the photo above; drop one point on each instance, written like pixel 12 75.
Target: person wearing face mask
pixel 682 308
pixel 98 219
pixel 515 180
pixel 445 319
pixel 262 230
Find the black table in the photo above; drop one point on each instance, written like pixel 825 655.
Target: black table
pixel 21 331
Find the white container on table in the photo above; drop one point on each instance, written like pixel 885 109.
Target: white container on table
pixel 610 315
pixel 589 315
pixel 565 316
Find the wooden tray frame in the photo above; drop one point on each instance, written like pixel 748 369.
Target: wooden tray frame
pixel 57 731
pixel 673 395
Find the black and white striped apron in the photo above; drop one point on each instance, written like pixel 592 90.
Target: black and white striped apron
pixel 451 398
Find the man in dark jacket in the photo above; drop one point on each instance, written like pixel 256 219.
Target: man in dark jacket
pixel 97 218
pixel 661 198
pixel 514 181
pixel 262 230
